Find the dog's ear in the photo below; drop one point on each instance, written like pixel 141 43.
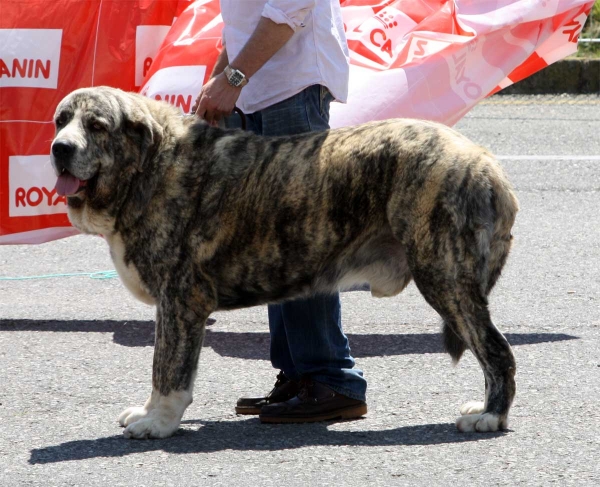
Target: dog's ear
pixel 145 132
pixel 146 136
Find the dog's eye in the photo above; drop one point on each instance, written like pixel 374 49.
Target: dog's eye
pixel 60 120
pixel 97 126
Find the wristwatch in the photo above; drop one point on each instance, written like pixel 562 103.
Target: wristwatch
pixel 235 77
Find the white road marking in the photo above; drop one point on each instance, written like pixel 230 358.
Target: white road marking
pixel 549 158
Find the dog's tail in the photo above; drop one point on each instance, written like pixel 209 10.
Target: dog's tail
pixel 454 345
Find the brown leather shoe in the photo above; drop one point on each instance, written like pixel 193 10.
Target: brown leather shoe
pixel 283 390
pixel 315 402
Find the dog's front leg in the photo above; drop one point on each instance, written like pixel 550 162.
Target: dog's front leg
pixel 180 326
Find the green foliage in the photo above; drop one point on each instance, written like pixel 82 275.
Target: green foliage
pixel 591 30
pixel 592 25
pixel 596 12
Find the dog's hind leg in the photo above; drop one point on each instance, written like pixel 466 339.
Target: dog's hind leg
pixel 180 326
pixel 498 365
pixel 458 237
pixel 467 324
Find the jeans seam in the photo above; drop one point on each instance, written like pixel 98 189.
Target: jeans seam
pixel 306 110
pixel 323 94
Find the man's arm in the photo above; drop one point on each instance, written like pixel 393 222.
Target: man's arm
pixel 222 61
pixel 217 97
pixel 266 40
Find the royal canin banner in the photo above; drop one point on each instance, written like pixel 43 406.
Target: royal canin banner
pixel 429 59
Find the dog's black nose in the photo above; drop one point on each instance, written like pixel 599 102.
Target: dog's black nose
pixel 62 150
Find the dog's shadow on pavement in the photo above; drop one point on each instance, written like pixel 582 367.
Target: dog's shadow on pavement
pixel 250 434
pixel 199 436
pixel 255 346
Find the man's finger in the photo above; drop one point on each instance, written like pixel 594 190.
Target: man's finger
pixel 217 117
pixel 199 112
pixel 196 106
pixel 210 116
pixel 202 106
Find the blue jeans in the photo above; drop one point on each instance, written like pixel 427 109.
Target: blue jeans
pixel 306 334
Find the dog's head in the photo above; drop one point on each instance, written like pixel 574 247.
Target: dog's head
pixel 104 136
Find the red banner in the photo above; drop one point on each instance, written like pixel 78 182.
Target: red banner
pixel 432 59
pixel 48 50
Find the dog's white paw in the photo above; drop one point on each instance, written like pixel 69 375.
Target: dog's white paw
pixel 133 414
pixel 155 424
pixel 158 418
pixel 487 422
pixel 472 407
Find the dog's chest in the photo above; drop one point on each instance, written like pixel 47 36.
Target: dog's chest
pixel 128 273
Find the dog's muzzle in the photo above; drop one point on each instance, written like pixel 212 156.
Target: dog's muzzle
pixel 62 156
pixel 62 153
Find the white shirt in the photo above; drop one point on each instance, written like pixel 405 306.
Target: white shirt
pixel 316 53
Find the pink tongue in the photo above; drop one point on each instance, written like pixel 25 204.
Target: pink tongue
pixel 67 184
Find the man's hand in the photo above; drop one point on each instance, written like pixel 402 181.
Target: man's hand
pixel 216 99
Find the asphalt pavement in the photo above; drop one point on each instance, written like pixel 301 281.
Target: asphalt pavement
pixel 76 351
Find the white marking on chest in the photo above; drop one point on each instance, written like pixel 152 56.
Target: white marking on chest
pixel 128 273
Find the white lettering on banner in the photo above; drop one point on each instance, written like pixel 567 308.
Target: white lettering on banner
pixel 462 85
pixel 420 47
pixel 31 183
pixel 148 39
pixel 562 42
pixel 380 37
pixel 29 58
pixel 178 85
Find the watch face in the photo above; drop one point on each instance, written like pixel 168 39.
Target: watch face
pixel 236 78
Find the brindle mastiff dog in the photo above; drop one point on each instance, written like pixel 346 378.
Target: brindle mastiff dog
pixel 200 219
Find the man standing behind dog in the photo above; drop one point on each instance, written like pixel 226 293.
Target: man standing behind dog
pixel 289 60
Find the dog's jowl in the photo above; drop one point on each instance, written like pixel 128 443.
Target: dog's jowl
pixel 201 219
